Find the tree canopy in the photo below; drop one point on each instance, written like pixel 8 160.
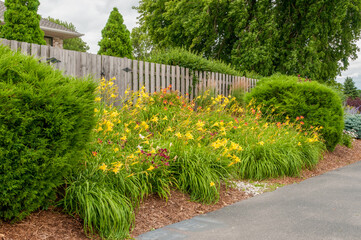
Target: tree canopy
pixel 115 37
pixel 76 44
pixel 22 21
pixel 313 38
pixel 141 43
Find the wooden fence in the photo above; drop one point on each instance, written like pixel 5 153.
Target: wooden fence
pixel 132 74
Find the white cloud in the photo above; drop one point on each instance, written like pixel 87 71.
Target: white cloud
pixel 89 16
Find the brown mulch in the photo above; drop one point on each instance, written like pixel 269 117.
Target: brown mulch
pixel 155 212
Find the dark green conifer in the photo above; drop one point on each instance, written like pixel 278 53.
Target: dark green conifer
pixel 22 21
pixel 115 37
pixel 350 89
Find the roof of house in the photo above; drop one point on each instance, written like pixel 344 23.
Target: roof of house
pixel 50 29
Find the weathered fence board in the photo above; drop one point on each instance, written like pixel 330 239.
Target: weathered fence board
pixel 133 74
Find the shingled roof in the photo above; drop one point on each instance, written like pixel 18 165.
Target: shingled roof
pixel 50 29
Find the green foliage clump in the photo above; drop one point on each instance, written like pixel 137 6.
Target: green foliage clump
pixel 105 211
pixel 75 44
pixel 191 60
pixel 293 97
pixel 353 123
pixel 45 122
pixel 346 140
pixel 22 22
pixel 141 43
pixel 115 37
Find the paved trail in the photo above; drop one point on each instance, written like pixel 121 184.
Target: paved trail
pixel 326 207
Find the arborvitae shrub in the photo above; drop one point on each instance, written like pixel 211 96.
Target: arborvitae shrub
pixel 45 122
pixel 294 97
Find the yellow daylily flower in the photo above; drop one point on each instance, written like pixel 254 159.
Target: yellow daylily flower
pixel 169 129
pixel 189 136
pixel 103 167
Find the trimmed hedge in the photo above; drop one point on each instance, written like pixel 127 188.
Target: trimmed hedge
pixel 293 97
pixel 45 122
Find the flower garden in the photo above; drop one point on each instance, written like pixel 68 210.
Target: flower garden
pixel 150 143
pixel 71 143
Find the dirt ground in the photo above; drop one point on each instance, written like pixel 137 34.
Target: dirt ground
pixel 155 212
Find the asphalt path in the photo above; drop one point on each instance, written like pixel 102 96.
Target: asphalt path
pixel 325 207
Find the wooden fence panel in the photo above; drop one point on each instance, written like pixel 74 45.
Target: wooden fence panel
pixel 5 42
pixel 178 78
pixel 25 48
pixel 157 77
pixel 187 86
pixel 35 50
pixel 146 77
pixel 173 80
pixel 182 81
pixel 168 76
pixel 128 73
pixel 14 45
pixel 152 79
pixel 141 74
pixel 135 76
pixel 44 53
pixel 116 66
pixel 164 80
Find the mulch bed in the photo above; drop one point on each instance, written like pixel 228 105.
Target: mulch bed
pixel 155 212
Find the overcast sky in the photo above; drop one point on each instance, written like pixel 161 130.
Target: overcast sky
pixel 90 17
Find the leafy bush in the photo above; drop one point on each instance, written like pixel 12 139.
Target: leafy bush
pixel 105 211
pixel 151 143
pixel 346 139
pixel 45 123
pixel 292 97
pixel 353 123
pixel 354 102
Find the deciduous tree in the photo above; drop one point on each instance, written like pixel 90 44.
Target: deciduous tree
pixel 313 38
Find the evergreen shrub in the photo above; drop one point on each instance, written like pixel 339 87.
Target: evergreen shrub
pixel 293 97
pixel 45 123
pixel 353 123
